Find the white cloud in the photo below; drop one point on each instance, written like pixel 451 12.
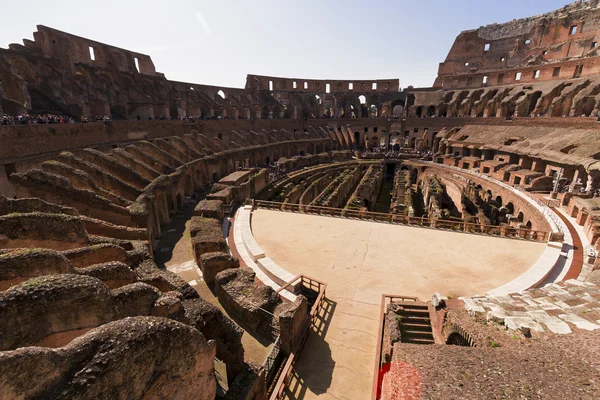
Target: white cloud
pixel 205 26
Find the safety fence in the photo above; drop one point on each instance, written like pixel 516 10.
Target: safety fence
pixel 307 286
pixel 506 231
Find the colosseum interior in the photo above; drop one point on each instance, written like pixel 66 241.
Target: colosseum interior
pixel 300 238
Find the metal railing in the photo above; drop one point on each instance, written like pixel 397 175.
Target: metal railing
pixel 546 206
pixel 311 284
pixel 403 219
pixel 272 363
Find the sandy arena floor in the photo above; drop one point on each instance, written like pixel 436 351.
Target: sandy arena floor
pixel 360 261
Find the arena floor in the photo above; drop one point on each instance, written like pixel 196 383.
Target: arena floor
pixel 362 260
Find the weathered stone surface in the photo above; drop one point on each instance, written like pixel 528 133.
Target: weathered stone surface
pixel 207 236
pixel 114 274
pixel 252 303
pixel 213 263
pixel 57 231
pixel 19 265
pixel 211 322
pixel 52 310
pixel 210 209
pixel 141 357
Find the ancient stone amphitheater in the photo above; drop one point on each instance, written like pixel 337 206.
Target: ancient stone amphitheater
pixel 304 238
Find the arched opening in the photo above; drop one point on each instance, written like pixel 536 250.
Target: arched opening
pixel 276 112
pixel 362 99
pixel 419 111
pixel 511 208
pixel 533 102
pixel 456 339
pixel 398 108
pixel 373 142
pixel 528 224
pixel 499 201
pixel 221 93
pixel 395 141
pixel 574 212
pixel 414 174
pixel 398 111
pixel 431 111
pixel 587 106
pixel 266 112
pixel 373 111
pixel 520 217
pixel 357 139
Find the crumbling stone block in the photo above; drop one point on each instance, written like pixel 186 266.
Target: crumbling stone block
pixel 207 236
pixel 210 209
pixel 213 263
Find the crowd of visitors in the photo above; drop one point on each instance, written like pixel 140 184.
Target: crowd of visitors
pixel 60 119
pixel 23 119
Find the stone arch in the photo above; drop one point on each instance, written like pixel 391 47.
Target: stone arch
pixel 575 212
pixel 510 207
pixel 265 112
pixel 414 175
pixel 398 108
pixel 535 97
pixel 374 142
pixel 394 140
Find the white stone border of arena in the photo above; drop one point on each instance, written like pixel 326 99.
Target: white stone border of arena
pixel 586 268
pixel 550 257
pixel 267 271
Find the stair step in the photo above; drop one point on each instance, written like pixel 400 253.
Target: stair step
pixel 415 313
pixel 410 326
pixel 418 341
pixel 413 307
pixel 419 315
pixel 417 334
pixel 415 321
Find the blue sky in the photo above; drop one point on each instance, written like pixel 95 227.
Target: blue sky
pixel 218 42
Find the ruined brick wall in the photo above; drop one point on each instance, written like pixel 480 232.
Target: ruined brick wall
pixel 61 73
pixel 541 43
pixel 299 84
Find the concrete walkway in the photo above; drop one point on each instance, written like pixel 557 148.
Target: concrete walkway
pixel 360 261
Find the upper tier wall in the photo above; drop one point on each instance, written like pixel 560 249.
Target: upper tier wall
pixel 60 73
pixel 297 84
pixel 540 43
